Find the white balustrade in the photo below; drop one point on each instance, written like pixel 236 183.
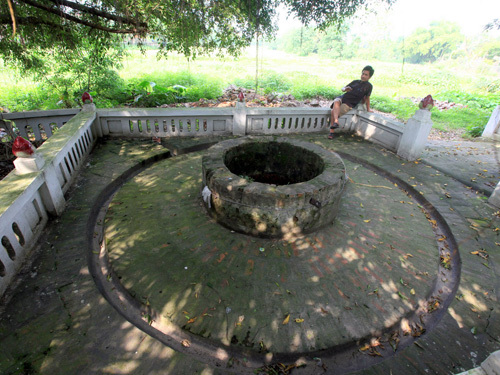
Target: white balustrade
pixel 37 125
pixel 29 199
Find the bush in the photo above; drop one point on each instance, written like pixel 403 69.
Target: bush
pixel 475 130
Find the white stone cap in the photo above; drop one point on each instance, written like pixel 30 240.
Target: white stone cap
pixel 28 165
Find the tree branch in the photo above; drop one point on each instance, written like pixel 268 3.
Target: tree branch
pixel 6 20
pixel 97 12
pixel 69 17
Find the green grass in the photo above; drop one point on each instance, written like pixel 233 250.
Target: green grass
pixel 464 82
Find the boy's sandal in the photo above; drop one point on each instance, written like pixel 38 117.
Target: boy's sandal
pixel 330 136
pixel 335 125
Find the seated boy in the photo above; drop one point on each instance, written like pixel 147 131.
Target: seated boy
pixel 356 91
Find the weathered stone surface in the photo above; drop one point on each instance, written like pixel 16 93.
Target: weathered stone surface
pixel 269 187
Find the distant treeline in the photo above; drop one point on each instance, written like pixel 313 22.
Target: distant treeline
pixel 441 40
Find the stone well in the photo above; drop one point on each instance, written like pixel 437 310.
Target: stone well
pixel 272 187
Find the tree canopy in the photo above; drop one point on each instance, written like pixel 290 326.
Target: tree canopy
pixel 30 28
pixel 428 45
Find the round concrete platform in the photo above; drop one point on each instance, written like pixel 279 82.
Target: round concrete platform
pixel 382 271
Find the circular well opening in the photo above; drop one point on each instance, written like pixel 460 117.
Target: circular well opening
pixel 273 163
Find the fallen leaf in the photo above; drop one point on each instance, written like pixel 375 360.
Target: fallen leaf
pixel 367 221
pixel 446 261
pixel 298 320
pixel 186 343
pixel 192 320
pixel 324 311
pixel 420 346
pixel 287 319
pixel 365 347
pixel 373 352
pixel 412 292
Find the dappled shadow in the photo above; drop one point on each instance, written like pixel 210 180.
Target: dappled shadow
pixel 56 322
pixel 367 275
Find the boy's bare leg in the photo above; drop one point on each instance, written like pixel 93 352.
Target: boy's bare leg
pixel 335 114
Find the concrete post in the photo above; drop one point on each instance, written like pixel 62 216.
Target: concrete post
pixel 240 119
pixel 415 135
pixel 51 192
pixel 89 107
pixel 495 196
pixel 493 123
pixel 30 164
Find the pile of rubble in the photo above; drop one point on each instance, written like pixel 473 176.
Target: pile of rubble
pixel 441 105
pixel 232 93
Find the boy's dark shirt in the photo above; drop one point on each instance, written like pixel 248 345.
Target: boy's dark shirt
pixel 360 89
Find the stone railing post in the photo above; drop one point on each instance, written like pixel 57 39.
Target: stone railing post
pixel 494 198
pixel 51 192
pixel 493 125
pixel 240 119
pixel 415 135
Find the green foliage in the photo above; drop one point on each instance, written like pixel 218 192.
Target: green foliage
pixel 64 74
pixel 403 109
pixel 460 118
pixel 471 100
pixel 303 77
pixel 428 45
pixel 489 48
pixel 475 130
pixel 275 82
pixel 328 43
pixel 36 28
pixel 149 94
pixel 429 78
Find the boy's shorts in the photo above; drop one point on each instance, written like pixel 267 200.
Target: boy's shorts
pixel 344 108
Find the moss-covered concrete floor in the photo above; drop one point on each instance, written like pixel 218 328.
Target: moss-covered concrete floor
pixel 368 294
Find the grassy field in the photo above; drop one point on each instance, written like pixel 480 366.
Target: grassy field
pixel 465 82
